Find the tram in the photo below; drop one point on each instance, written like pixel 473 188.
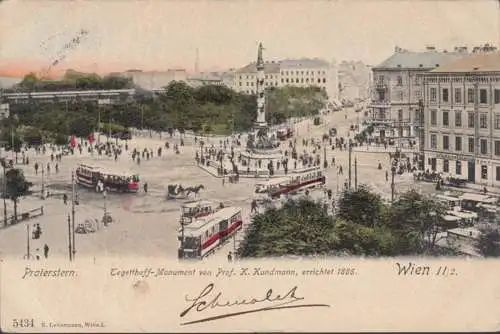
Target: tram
pixel 101 179
pixel 300 179
pixel 203 236
pixel 196 209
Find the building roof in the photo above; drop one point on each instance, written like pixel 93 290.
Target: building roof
pixel 423 60
pixel 303 63
pixel 483 62
pixel 268 68
pixel 274 67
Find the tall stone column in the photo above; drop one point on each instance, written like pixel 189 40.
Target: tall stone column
pixel 260 88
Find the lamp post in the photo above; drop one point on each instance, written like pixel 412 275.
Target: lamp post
pixel 393 171
pixel 42 196
pixel 325 163
pixel 28 241
pixel 69 239
pixel 355 173
pixel 73 199
pixel 350 164
pixel 4 195
pixel 99 123
pixel 337 181
pixel 181 251
pixel 105 203
pixel 142 116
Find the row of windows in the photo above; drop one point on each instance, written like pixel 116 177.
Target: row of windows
pixel 483 144
pixel 483 119
pixel 459 98
pixel 269 76
pixel 399 80
pixel 251 84
pixel 251 91
pixel 397 96
pixel 458 169
pixel 267 83
pixel 303 72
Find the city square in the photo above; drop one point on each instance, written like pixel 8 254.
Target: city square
pixel 147 223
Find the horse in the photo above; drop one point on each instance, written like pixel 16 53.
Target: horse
pixel 195 190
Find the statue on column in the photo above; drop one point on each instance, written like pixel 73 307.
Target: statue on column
pixel 259 55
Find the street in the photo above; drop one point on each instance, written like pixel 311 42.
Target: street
pixel 147 224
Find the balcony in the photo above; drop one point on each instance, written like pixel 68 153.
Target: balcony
pixel 381 86
pixel 404 122
pixel 380 104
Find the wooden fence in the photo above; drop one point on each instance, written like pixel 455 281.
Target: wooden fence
pixel 23 216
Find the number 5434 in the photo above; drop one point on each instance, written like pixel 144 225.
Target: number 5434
pixel 22 323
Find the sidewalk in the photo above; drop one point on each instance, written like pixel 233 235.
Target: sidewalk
pixel 476 189
pixel 382 149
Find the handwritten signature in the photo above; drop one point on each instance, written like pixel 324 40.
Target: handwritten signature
pixel 210 299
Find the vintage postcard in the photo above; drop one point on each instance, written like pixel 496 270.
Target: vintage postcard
pixel 249 166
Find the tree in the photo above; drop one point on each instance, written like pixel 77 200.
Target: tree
pixel 489 243
pixel 16 186
pixel 32 135
pixel 418 219
pixel 362 207
pixel 298 228
pixel 81 126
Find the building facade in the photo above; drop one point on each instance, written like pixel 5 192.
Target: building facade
pixel 397 90
pixel 354 80
pixel 290 72
pixel 462 119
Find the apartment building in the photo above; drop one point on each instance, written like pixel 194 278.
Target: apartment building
pixel 462 119
pixel 290 72
pixel 397 90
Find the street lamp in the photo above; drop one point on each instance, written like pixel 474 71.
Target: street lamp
pixel 69 238
pixel 393 172
pixel 42 195
pixel 73 200
pixel 28 241
pixel 181 250
pixel 105 204
pixel 325 163
pixel 4 195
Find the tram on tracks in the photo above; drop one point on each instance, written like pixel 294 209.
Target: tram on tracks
pixel 102 179
pixel 300 179
pixel 204 235
pixel 192 210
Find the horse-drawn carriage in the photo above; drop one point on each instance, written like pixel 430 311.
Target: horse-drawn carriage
pixel 456 182
pixel 177 191
pixel 427 177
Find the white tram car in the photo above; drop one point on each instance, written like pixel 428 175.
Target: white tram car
pixel 204 235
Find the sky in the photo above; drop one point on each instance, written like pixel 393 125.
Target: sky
pixel 163 34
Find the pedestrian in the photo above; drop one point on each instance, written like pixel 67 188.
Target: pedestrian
pixel 146 187
pixel 36 168
pixel 46 251
pixel 229 257
pixel 65 199
pixel 253 206
pixel 223 181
